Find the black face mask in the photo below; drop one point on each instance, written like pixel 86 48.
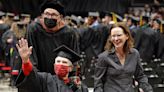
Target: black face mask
pixel 50 23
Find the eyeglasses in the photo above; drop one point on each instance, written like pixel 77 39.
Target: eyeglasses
pixel 51 14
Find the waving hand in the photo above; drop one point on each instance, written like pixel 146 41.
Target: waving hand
pixel 24 50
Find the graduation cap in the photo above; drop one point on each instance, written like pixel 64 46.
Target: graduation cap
pixel 21 24
pixel 64 51
pixel 52 4
pixel 161 23
pixel 81 20
pixel 77 19
pixel 133 19
pixel 145 18
pixel 25 16
pixel 74 19
pixel 157 21
pixel 16 18
pixel 11 15
pixel 116 17
pixel 108 14
pixel 93 14
pixel 2 14
pixel 67 17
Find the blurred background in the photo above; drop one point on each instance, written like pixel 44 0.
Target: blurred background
pixel 15 15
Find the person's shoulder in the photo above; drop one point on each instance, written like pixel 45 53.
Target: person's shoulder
pixel 103 54
pixel 4 27
pixel 100 27
pixel 134 51
pixel 70 30
pixel 34 24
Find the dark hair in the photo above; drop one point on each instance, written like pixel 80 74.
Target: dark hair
pixel 128 44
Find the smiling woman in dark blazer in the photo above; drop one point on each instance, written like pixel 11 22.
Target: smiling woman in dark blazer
pixel 119 64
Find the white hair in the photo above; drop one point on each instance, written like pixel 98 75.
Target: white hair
pixel 63 59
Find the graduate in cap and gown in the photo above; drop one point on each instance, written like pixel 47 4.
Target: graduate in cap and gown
pixel 47 33
pixel 157 25
pixel 145 40
pixel 3 28
pixel 132 23
pixel 160 45
pixel 33 81
pixel 93 19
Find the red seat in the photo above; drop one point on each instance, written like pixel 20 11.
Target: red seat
pixel 2 64
pixel 14 72
pixel 6 68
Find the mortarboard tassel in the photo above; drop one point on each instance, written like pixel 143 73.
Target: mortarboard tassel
pixel 161 28
pixel 141 21
pixel 114 17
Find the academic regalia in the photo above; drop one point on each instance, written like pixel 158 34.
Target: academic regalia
pixel 111 76
pixel 133 27
pixel 44 82
pixel 134 30
pixel 93 16
pixel 92 42
pixel 3 29
pixel 11 54
pixel 44 42
pixel 160 48
pixel 32 81
pixel 159 22
pixel 145 41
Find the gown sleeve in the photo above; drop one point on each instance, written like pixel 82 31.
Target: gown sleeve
pixel 32 81
pixel 83 88
pixel 31 29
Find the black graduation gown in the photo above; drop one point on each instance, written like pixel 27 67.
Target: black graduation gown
pixel 160 47
pixel 133 31
pixel 45 42
pixel 92 42
pixel 44 82
pixel 145 41
pixel 3 28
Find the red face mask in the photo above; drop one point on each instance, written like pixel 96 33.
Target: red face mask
pixel 61 70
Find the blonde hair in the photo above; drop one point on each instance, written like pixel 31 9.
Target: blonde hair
pixel 20 33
